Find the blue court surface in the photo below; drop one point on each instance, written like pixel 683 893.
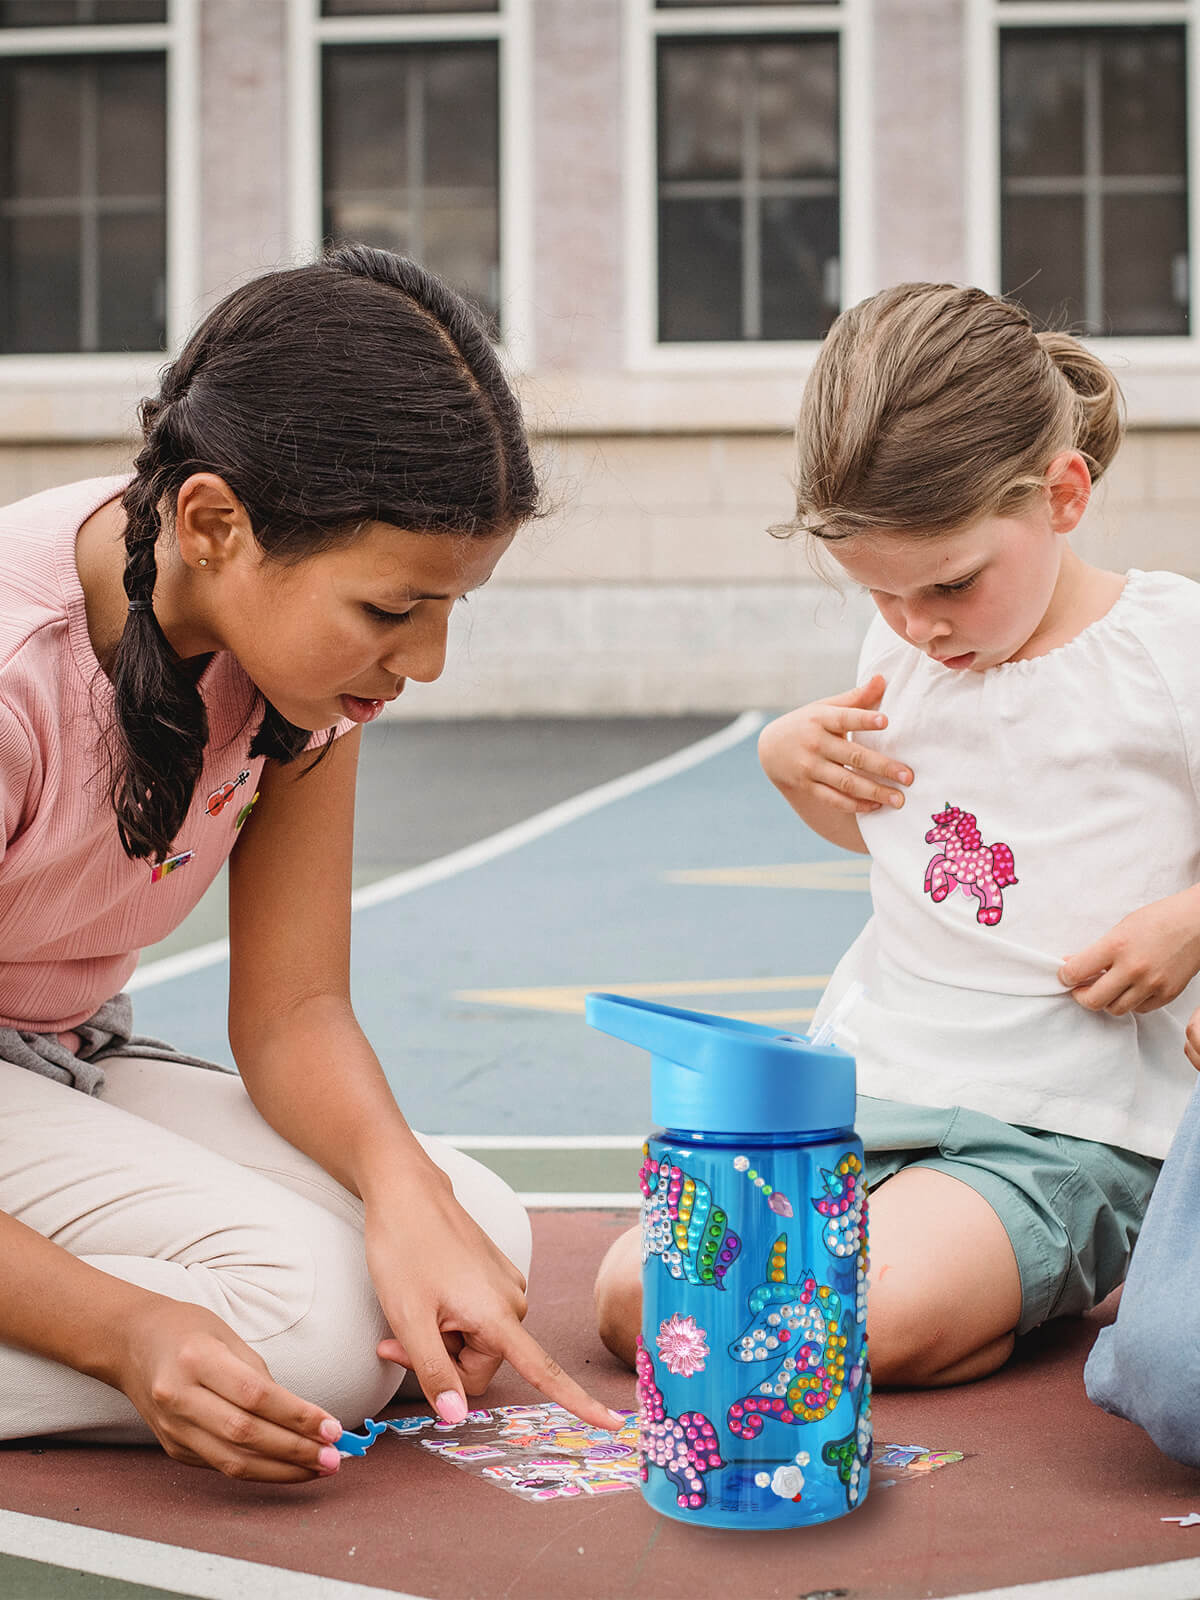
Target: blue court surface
pixel 684 878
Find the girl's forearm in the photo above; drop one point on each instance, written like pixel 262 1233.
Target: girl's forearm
pixel 314 1077
pixel 55 1305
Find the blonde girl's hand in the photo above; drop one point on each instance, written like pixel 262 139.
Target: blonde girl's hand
pixel 455 1302
pixel 1144 962
pixel 809 757
pixel 1191 1040
pixel 212 1403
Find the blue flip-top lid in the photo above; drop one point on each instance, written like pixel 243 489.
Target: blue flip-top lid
pixel 715 1075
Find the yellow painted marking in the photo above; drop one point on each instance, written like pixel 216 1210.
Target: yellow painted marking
pixel 848 876
pixel 568 999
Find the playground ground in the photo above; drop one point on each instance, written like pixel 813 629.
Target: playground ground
pixel 503 871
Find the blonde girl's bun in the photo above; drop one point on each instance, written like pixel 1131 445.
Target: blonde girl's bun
pixel 1099 405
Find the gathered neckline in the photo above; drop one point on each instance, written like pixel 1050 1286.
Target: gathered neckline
pixel 1109 620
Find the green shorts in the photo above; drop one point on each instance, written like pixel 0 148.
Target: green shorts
pixel 1072 1208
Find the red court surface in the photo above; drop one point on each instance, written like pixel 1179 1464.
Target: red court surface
pixel 1051 1489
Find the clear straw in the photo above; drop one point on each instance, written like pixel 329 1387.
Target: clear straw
pixel 825 1033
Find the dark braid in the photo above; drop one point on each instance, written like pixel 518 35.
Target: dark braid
pixel 358 389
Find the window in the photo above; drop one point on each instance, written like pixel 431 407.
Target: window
pixel 411 135
pixel 744 229
pixel 747 188
pixel 1094 176
pixel 83 193
pixel 1080 109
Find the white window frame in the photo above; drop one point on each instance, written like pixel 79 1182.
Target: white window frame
pixel 509 27
pixel 1159 373
pixel 60 372
pixel 644 26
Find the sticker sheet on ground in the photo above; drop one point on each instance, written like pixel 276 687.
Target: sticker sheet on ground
pixel 537 1452
pixel 908 1463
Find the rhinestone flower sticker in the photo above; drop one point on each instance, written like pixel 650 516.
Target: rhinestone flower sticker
pixel 682 1345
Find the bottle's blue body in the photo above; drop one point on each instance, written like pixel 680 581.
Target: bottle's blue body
pixel 753 1386
pixel 752 1377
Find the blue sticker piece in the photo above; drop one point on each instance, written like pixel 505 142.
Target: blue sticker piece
pixel 357 1444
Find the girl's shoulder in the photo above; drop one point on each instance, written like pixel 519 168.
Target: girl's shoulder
pixel 1161 610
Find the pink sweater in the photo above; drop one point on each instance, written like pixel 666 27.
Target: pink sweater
pixel 74 910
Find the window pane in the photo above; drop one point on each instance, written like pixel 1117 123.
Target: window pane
pixel 39 129
pixel 702 91
pixel 82 174
pixel 39 284
pixel 131 136
pixel 799 268
pixel 1145 265
pixel 73 13
pixel 1043 258
pixel 699 5
pixel 700 269
pixel 1144 99
pixel 795 143
pixel 748 186
pixel 132 289
pixel 1041 104
pixel 411 156
pixel 1094 176
pixel 402 8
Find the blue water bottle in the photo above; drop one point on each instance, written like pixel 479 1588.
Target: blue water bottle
pixel 752 1377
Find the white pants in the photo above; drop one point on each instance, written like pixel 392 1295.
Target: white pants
pixel 170 1179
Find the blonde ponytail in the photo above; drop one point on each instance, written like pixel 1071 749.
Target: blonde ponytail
pixel 1099 421
pixel 931 406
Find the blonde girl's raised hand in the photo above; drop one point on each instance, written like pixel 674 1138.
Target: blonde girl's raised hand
pixel 455 1302
pixel 827 777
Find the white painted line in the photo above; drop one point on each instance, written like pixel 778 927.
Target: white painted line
pixel 537 1201
pixel 170 1567
pixel 484 850
pixel 543 1141
pixel 1173 1580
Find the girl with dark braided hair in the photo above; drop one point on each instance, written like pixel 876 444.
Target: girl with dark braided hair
pixel 238 1265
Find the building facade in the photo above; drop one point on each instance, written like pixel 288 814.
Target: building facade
pixel 660 205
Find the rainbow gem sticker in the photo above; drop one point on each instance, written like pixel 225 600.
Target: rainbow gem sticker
pixel 160 870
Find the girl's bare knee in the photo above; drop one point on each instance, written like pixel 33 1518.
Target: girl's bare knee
pixel 910 1348
pixel 619 1296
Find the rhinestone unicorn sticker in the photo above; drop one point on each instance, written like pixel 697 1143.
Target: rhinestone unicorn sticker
pixel 684 1225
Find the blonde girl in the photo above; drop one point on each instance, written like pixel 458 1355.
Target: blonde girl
pixel 1020 758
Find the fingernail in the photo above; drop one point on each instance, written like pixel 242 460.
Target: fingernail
pixel 328 1460
pixel 905 775
pixel 450 1406
pixel 330 1430
pixel 619 1417
pixel 895 799
pixel 879 721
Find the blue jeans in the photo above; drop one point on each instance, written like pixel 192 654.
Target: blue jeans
pixel 1146 1367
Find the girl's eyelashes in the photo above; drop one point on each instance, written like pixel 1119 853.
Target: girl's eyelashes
pixel 386 617
pixel 960 587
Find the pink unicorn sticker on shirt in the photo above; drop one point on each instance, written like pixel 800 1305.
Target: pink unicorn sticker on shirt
pixel 966 863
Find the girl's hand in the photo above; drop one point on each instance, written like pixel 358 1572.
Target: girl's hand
pixel 1141 964
pixel 1191 1041
pixel 808 757
pixel 212 1403
pixel 455 1302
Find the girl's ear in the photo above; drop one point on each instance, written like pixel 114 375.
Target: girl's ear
pixel 210 521
pixel 1069 484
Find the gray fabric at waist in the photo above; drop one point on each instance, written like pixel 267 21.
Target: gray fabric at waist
pixel 108 1033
